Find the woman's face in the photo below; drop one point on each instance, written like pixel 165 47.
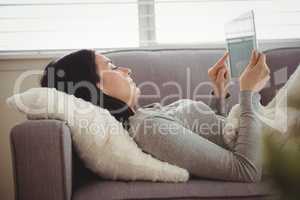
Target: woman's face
pixel 115 81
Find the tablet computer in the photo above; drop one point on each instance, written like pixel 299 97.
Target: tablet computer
pixel 240 41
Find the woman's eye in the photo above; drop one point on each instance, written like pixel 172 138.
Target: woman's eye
pixel 114 67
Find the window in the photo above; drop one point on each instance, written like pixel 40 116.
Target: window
pixel 107 24
pixel 203 20
pixel 68 24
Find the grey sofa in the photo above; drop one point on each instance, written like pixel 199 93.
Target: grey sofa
pixel 46 166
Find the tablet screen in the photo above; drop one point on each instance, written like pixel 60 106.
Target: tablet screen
pixel 241 40
pixel 240 50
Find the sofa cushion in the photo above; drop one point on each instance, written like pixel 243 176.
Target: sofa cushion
pixel 194 189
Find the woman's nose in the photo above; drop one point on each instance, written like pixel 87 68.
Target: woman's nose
pixel 125 70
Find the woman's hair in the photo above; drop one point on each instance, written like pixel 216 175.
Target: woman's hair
pixel 76 74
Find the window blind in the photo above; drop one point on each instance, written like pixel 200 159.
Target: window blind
pixel 107 24
pixel 67 24
pixel 179 21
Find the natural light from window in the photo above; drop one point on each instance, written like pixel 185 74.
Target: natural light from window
pixel 68 26
pixel 107 24
pixel 203 21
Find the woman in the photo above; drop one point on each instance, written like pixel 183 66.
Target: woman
pixel 173 133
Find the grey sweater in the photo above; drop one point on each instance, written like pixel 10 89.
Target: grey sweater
pixel 189 134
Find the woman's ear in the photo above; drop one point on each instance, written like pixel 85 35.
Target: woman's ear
pixel 99 85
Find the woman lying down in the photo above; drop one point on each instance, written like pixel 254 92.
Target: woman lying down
pixel 185 133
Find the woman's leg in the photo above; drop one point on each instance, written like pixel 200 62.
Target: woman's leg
pixel 172 142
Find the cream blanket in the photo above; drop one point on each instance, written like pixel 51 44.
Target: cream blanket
pixel 280 117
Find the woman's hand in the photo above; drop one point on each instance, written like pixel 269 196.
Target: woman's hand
pixel 219 76
pixel 256 74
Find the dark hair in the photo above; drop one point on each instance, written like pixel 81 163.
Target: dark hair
pixel 76 74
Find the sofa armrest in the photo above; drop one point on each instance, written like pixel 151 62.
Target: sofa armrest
pixel 42 160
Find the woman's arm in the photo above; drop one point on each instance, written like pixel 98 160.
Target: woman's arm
pixel 219 76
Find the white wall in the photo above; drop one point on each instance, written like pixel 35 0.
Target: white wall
pixel 10 70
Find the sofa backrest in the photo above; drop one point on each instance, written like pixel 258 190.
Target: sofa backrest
pixel 165 75
pixel 282 63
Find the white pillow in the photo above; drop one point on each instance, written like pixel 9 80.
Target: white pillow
pixel 102 143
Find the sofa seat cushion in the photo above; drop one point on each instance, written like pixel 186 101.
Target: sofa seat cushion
pixel 193 189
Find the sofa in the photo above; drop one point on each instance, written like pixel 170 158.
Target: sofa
pixel 47 167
